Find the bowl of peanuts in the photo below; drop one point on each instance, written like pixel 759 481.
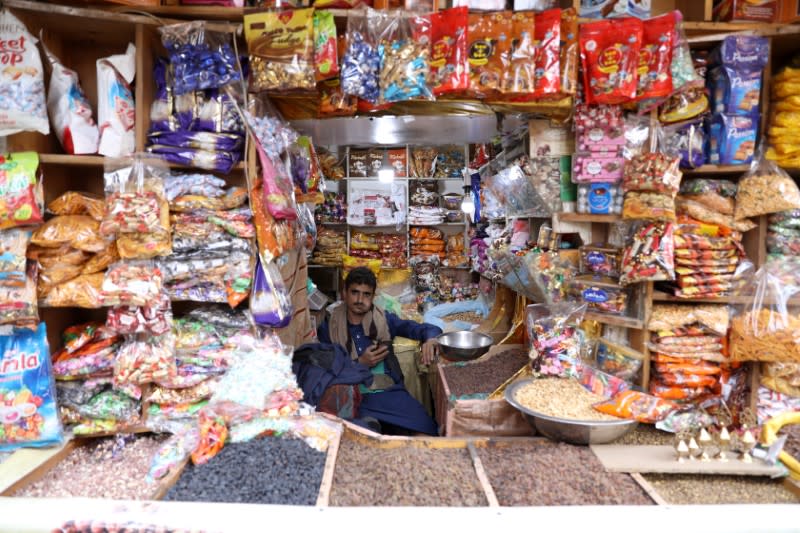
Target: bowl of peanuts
pixel 561 410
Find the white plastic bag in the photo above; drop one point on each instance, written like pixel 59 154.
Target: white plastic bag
pixel 115 106
pixel 22 99
pixel 69 110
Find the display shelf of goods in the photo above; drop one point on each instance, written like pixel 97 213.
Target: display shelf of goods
pixel 587 217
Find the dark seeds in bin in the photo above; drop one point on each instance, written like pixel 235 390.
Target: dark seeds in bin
pixel 556 474
pixel 268 470
pixel 406 476
pixel 485 376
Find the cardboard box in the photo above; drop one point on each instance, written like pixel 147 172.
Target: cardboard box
pixel 790 11
pixel 746 10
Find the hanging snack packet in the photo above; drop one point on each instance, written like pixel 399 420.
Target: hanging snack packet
pixel 326 58
pixel 655 57
pixel 648 255
pixel 449 68
pixel 115 106
pixel 27 393
pixel 489 38
pixel 269 303
pixel 21 196
pixel 18 299
pixel 404 49
pixel 69 110
pixel 568 62
pixel 200 58
pixel 610 59
pixel 361 63
pixel 22 98
pixel 519 72
pixel 547 39
pixel 281 45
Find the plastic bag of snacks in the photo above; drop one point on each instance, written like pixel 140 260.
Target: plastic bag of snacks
pixel 448 66
pixel 18 299
pixel 553 330
pixel 361 63
pixel 637 406
pixel 618 39
pixel 132 283
pixel 765 188
pixel 281 45
pixel 27 393
pixel 654 172
pixel 21 200
pixel 269 303
pixel 135 200
pixel 22 100
pixel 84 291
pixel 404 51
pixel 154 318
pixel 619 361
pixel 718 195
pixel 77 231
pixel 144 359
pixel 200 58
pixel 655 57
pixel 765 329
pixel 13 246
pixel 78 203
pixel 648 206
pixel 668 317
pixel 519 72
pixel 70 110
pixel 648 255
pixel 116 112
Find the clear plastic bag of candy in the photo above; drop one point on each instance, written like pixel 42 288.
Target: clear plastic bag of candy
pixel 144 359
pixel 198 184
pixel 173 451
pixel 201 58
pixel 110 405
pixel 154 318
pixel 718 195
pixel 22 198
pixel 27 393
pixel 404 51
pixel 553 330
pixel 269 302
pixel 361 64
pixel 281 46
pixel 656 172
pixel 648 254
pixel 22 96
pixel 132 283
pixel 135 198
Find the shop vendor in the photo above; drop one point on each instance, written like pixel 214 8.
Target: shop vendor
pixel 366 333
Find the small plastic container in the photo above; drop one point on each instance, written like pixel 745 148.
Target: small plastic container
pixel 601 294
pixel 600 260
pixel 600 198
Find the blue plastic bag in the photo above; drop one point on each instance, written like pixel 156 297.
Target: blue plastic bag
pixel 28 415
pixel 269 301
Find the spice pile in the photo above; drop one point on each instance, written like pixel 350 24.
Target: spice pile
pixel 480 378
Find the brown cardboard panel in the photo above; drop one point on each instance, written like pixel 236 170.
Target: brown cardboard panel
pixel 661 459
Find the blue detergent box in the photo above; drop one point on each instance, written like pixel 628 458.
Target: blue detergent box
pixel 732 139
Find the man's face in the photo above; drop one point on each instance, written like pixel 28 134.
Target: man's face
pixel 358 298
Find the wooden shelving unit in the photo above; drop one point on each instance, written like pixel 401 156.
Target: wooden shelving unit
pixel 587 217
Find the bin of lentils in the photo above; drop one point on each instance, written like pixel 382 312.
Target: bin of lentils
pixel 482 377
pixel 404 476
pixel 267 470
pixel 546 473
pixel 113 468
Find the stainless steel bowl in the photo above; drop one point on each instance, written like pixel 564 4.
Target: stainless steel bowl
pixel 464 345
pixel 572 431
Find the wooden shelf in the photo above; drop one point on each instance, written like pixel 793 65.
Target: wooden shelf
pixel 587 217
pixel 72 160
pixel 659 296
pixel 614 320
pixel 716 169
pixel 436 225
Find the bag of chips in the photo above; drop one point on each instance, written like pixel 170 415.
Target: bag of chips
pixel 637 406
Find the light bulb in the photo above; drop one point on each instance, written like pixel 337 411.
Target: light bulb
pixel 467 205
pixel 386 175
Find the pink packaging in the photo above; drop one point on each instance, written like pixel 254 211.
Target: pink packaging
pixel 597 168
pixel 599 129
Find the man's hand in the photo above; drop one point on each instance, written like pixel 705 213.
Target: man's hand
pixel 374 355
pixel 430 349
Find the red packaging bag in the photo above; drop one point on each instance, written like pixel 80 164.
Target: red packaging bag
pixel 655 57
pixel 449 68
pixel 547 36
pixel 610 59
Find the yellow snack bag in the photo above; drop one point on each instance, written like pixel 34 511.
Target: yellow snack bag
pixel 349 263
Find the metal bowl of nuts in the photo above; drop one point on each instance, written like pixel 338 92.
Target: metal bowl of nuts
pixel 464 345
pixel 579 424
